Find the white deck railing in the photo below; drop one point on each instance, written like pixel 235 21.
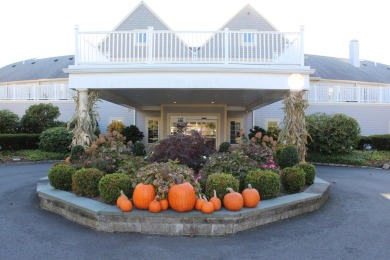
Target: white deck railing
pixel 36 92
pixel 349 94
pixel 224 47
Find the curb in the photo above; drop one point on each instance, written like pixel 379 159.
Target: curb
pixel 108 218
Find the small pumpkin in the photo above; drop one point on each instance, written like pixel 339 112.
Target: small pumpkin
pixel 143 195
pixel 199 202
pixel 216 201
pixel 154 205
pixel 207 206
pixel 121 198
pixel 251 197
pixel 67 159
pixel 233 200
pixel 181 196
pixel 126 205
pixel 164 204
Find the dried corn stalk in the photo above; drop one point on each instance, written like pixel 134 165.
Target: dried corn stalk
pixel 294 131
pixel 85 118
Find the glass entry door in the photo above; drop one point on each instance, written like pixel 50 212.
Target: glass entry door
pixel 206 126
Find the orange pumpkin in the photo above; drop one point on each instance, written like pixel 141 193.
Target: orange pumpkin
pixel 143 195
pixel 164 204
pixel 67 159
pixel 181 197
pixel 199 202
pixel 233 200
pixel 154 205
pixel 207 206
pixel 126 205
pixel 216 201
pixel 251 197
pixel 121 198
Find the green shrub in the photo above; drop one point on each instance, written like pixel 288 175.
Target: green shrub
pixel 363 142
pixel 256 129
pixel 138 149
pixel 287 156
pixel 293 179
pixel 224 147
pixel 235 163
pixel 38 118
pixel 132 164
pixel 60 176
pixel 191 150
pixel 115 125
pixel 132 133
pixel 103 165
pixel 111 185
pixel 310 172
pixel 19 141
pixel 219 182
pixel 76 152
pixel 56 139
pixel 331 134
pixel 266 182
pixel 380 142
pixel 85 182
pixel 9 122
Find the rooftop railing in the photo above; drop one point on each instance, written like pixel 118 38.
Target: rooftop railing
pixel 218 47
pixel 36 92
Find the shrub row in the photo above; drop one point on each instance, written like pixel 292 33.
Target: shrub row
pixel 19 141
pixel 379 142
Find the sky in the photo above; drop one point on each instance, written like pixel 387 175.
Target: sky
pixel 45 28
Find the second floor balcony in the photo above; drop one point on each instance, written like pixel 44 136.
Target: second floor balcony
pixel 189 47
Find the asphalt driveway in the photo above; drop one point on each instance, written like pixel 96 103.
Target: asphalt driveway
pixel 353 224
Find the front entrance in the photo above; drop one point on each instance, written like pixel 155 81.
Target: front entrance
pixel 205 125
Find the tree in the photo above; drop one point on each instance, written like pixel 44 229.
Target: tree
pixel 9 122
pixel 39 118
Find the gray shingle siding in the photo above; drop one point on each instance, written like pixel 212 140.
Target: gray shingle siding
pixel 141 18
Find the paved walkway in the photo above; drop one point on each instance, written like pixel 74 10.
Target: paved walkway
pixel 353 224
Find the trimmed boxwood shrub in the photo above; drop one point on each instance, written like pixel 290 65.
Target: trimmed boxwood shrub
pixel 288 156
pixel 139 149
pixel 293 179
pixel 224 147
pixel 103 165
pixel 219 182
pixel 310 172
pixel 56 139
pixel 19 141
pixel 85 182
pixel 266 182
pixel 111 185
pixel 380 142
pixel 76 152
pixel 60 176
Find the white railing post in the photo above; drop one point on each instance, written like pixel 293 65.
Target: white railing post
pixel 76 50
pixel 149 38
pixel 13 92
pixel 226 45
pixel 302 45
pixel 380 95
pixel 358 95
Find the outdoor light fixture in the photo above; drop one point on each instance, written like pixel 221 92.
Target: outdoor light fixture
pixel 296 82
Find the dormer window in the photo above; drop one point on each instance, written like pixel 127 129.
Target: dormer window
pixel 248 39
pixel 140 38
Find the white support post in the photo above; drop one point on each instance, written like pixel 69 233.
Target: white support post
pixel 149 39
pixel 76 50
pixel 302 50
pixel 380 95
pixel 226 46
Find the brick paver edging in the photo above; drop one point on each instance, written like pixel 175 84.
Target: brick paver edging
pixel 103 217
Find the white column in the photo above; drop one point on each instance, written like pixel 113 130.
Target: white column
pixel 302 51
pixel 226 50
pixel 149 39
pixel 82 103
pixel 76 50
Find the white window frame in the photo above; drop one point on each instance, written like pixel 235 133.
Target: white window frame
pixel 237 119
pixel 147 119
pixel 268 120
pixel 144 36
pixel 253 34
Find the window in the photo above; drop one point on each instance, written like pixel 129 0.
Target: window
pixel 248 38
pixel 235 126
pixel 152 130
pixel 140 38
pixel 272 123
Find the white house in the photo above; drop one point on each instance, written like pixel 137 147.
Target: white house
pixel 219 81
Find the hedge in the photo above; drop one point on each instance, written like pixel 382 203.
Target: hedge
pixel 19 141
pixel 380 142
